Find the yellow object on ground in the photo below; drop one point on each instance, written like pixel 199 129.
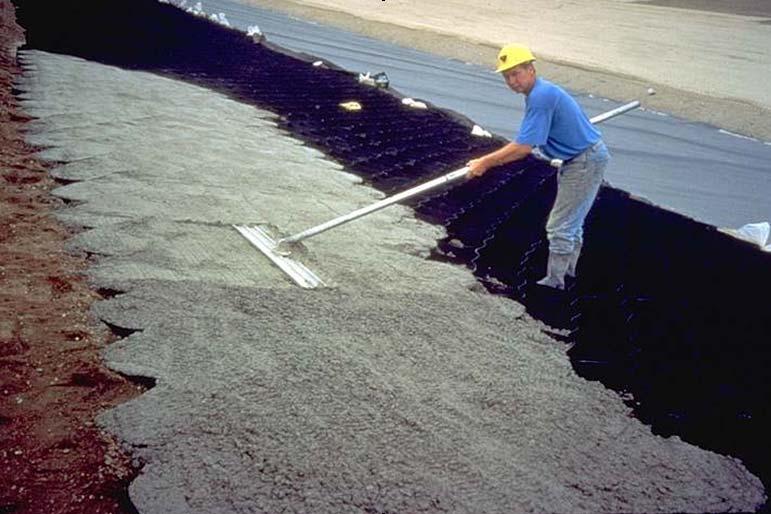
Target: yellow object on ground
pixel 351 106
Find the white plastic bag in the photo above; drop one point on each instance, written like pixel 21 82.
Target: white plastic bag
pixel 757 233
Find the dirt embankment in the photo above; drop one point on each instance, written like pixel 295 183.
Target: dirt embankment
pixel 52 382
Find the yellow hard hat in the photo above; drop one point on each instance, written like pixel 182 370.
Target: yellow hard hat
pixel 512 55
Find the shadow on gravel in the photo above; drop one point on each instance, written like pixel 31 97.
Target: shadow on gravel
pixel 665 308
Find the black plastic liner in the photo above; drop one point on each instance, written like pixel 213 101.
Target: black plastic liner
pixel 665 308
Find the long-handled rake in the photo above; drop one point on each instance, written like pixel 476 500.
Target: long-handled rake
pixel 279 250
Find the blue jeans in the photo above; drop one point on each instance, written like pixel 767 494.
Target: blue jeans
pixel 577 184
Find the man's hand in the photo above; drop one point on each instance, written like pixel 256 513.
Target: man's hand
pixel 507 153
pixel 477 167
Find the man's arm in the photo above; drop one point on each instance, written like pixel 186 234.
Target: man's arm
pixel 507 153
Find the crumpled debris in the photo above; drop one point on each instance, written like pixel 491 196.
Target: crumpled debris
pixel 414 103
pixel 756 233
pixel 254 32
pixel 351 106
pixel 479 131
pixel 196 10
pixel 378 79
pixel 318 63
pixel 219 18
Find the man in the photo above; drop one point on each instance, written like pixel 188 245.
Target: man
pixel 555 125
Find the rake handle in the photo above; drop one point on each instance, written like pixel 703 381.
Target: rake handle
pixel 409 193
pixel 431 184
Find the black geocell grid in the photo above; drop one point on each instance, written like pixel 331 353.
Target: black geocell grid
pixel 665 308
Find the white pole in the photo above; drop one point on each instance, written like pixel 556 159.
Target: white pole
pixel 431 184
pixel 409 193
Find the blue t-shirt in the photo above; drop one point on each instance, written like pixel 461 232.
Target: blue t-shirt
pixel 555 123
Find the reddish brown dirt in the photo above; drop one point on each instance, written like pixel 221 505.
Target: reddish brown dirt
pixel 53 384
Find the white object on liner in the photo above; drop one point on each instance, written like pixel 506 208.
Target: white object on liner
pixel 255 33
pixel 414 103
pixel 366 78
pixel 197 9
pixel 379 79
pixel 220 18
pixel 479 131
pixel 757 233
pixel 318 63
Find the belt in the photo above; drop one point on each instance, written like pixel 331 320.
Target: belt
pixel 593 147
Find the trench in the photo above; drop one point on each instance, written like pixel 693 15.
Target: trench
pixel 665 310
